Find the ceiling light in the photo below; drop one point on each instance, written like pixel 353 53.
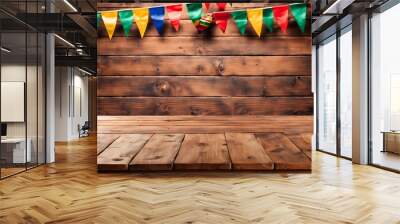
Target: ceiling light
pixel 5 50
pixel 70 5
pixel 84 71
pixel 337 7
pixel 65 41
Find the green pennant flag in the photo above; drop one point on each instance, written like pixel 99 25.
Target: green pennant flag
pixel 98 19
pixel 126 18
pixel 240 18
pixel 299 12
pixel 268 18
pixel 194 11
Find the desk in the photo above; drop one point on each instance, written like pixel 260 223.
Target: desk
pixel 391 141
pixel 17 148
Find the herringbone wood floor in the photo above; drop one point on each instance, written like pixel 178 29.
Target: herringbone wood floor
pixel 71 191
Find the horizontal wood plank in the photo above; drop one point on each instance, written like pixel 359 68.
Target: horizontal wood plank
pixel 247 153
pixel 201 46
pixel 103 141
pixel 204 65
pixel 203 152
pixel 158 154
pixel 118 155
pixel 205 105
pixel 302 141
pixel 204 86
pixel 284 154
pixel 204 124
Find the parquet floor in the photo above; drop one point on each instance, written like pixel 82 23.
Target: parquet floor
pixel 72 191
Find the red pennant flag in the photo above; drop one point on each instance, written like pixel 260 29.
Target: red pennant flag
pixel 221 19
pixel 221 6
pixel 207 6
pixel 174 15
pixel 281 16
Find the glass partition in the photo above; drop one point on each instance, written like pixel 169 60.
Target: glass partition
pixel 14 153
pixel 22 88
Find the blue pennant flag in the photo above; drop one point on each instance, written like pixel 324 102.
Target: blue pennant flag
pixel 157 17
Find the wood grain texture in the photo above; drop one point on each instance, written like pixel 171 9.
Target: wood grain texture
pixel 204 86
pixel 118 155
pixel 283 152
pixel 247 153
pixel 103 141
pixel 204 66
pixel 203 152
pixel 204 124
pixel 302 141
pixel 205 106
pixel 201 46
pixel 158 154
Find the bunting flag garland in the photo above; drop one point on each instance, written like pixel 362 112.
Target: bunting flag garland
pixel 268 18
pixel 110 21
pixel 256 19
pixel 194 11
pixel 141 19
pixel 207 6
pixel 221 19
pixel 157 17
pixel 281 16
pixel 98 19
pixel 126 18
pixel 240 18
pixel 299 12
pixel 221 6
pixel 257 16
pixel 174 15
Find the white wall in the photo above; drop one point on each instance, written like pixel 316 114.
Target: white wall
pixel 71 102
pixel 17 73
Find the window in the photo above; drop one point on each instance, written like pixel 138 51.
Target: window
pixel 346 92
pixel 326 95
pixel 385 89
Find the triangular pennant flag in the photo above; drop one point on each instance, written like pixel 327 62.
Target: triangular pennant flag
pixel 207 6
pixel 98 19
pixel 221 6
pixel 141 19
pixel 174 15
pixel 299 12
pixel 110 21
pixel 126 19
pixel 255 17
pixel 221 19
pixel 157 17
pixel 194 11
pixel 240 18
pixel 268 18
pixel 281 16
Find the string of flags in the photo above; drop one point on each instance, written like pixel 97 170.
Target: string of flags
pixel 202 19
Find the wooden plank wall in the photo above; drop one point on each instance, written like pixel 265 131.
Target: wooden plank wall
pixel 212 73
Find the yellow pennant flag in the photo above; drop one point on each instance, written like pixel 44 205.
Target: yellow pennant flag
pixel 141 19
pixel 110 21
pixel 255 17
